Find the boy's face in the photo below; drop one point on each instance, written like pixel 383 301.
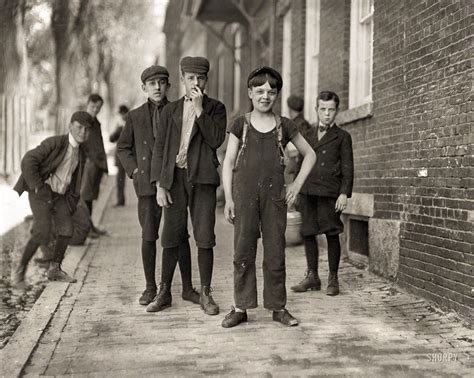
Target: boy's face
pixel 156 88
pixel 327 112
pixel 79 132
pixel 191 80
pixel 263 97
pixel 93 108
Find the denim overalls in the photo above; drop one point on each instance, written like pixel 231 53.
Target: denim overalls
pixel 260 208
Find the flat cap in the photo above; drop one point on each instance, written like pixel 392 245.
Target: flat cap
pixel 295 103
pixel 84 118
pixel 196 64
pixel 154 71
pixel 265 70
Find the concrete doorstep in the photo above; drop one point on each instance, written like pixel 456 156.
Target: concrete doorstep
pixel 25 339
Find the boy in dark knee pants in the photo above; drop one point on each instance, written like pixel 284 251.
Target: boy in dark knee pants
pixel 324 195
pixel 256 197
pixel 134 149
pixel 51 173
pixel 184 168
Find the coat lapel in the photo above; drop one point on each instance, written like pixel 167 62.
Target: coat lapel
pixel 147 126
pixel 206 105
pixel 178 115
pixel 328 137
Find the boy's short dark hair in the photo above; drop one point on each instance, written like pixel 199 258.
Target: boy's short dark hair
pixel 94 97
pixel 123 109
pixel 328 96
pixel 265 74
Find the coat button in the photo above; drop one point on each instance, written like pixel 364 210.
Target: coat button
pixel 142 171
pixel 322 164
pixel 324 151
pixel 144 142
pixel 144 158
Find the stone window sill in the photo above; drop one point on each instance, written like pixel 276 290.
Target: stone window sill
pixel 355 114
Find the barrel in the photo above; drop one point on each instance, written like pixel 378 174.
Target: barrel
pixel 293 228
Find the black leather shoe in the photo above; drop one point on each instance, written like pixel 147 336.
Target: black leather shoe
pixel 162 300
pixel 190 295
pixel 310 282
pixel 333 284
pixel 285 318
pixel 147 297
pixel 234 318
pixel 207 302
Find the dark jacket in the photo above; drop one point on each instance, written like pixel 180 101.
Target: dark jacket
pixel 207 135
pixel 113 138
pixel 135 147
pixel 94 147
pixel 41 162
pixel 333 173
pixel 302 124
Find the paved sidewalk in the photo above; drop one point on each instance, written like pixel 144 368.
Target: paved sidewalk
pixel 371 329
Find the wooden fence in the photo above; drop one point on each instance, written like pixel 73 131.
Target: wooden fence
pixel 13 133
pixel 16 128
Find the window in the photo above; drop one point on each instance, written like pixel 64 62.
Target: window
pixel 286 66
pixel 360 70
pixel 311 59
pixel 237 69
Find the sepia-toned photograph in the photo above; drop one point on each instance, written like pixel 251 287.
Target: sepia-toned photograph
pixel 264 188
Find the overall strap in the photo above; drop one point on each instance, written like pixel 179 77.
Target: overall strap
pixel 279 131
pixel 244 138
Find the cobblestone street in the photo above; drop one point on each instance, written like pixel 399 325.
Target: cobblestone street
pixel 371 329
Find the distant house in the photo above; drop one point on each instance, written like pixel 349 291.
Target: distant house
pixel 403 70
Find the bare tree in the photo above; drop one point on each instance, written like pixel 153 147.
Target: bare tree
pixel 67 24
pixel 13 60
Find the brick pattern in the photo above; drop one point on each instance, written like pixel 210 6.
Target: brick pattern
pixel 415 154
pixel 99 328
pixel 334 48
pixel 298 40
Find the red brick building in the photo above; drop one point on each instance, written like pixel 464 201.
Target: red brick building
pixel 403 71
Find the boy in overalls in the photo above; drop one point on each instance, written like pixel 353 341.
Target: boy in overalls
pixel 256 199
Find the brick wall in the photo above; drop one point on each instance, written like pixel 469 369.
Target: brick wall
pixel 416 154
pixel 298 31
pixel 334 48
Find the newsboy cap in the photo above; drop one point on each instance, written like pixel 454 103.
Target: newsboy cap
pixel 269 71
pixel 84 118
pixel 295 103
pixel 195 64
pixel 154 71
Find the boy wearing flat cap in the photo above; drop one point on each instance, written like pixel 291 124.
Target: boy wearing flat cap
pixel 295 104
pixel 256 197
pixel 51 174
pixel 184 168
pixel 134 149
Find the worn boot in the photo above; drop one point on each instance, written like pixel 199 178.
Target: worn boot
pixel 18 276
pixel 55 273
pixel 207 302
pixel 162 300
pixel 147 296
pixel 191 295
pixel 333 284
pixel 310 282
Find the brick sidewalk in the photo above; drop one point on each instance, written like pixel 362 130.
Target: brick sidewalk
pixel 371 329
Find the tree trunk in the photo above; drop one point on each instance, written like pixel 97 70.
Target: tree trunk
pixel 13 57
pixel 67 27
